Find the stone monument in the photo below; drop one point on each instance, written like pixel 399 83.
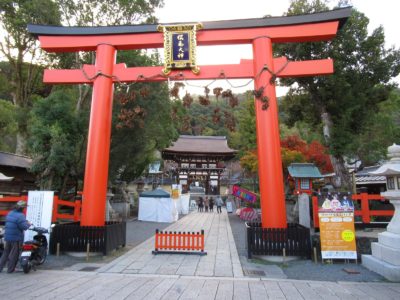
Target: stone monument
pixel 385 258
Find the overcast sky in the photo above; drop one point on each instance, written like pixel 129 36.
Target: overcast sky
pixel 383 12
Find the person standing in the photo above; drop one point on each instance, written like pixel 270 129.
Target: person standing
pixel 219 203
pixel 206 203
pixel 201 204
pixel 212 204
pixel 16 224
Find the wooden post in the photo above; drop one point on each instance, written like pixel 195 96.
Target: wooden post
pixel 365 208
pixel 87 251
pixel 315 255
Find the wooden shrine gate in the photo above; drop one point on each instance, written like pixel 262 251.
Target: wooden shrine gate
pixel 264 68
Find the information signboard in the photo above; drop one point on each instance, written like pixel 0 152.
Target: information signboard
pixel 39 211
pixel 337 233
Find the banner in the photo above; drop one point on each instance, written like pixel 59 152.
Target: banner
pixel 39 211
pixel 336 223
pixel 244 194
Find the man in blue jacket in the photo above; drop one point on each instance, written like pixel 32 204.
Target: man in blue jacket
pixel 16 224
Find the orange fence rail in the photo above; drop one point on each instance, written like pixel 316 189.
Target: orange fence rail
pixel 13 200
pixel 365 212
pixel 75 216
pixel 179 242
pixel 76 205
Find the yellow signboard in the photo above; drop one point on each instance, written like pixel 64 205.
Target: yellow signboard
pixel 337 232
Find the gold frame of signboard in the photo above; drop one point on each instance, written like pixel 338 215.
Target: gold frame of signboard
pixel 185 33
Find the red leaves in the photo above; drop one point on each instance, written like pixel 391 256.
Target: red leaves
pixel 314 152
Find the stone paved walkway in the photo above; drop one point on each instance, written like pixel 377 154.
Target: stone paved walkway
pixel 222 259
pixel 140 275
pixel 46 284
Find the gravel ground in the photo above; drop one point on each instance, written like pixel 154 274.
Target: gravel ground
pixel 301 269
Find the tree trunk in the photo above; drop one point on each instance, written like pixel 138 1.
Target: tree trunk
pixel 342 178
pixel 21 143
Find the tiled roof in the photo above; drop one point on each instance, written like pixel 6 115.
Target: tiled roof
pixel 370 179
pixel 14 160
pixel 200 144
pixel 364 177
pixel 304 170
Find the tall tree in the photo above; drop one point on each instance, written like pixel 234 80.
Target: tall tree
pixel 57 136
pixel 142 122
pixel 131 147
pixel 345 101
pixel 23 54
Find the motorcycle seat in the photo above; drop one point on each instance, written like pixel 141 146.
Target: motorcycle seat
pixel 32 243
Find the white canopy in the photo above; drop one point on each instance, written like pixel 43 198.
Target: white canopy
pixel 157 206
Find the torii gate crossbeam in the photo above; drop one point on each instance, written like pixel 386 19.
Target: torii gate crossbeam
pixel 260 33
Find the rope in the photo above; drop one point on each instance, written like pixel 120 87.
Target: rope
pixel 181 76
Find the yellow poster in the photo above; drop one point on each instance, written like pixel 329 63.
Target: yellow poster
pixel 337 234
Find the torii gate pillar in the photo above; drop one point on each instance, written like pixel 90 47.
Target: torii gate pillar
pixel 98 149
pixel 270 174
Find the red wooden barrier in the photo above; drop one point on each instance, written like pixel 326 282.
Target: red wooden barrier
pixel 71 217
pixel 179 243
pixel 13 200
pixel 56 203
pixel 365 212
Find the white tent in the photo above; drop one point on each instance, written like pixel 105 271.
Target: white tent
pixel 157 206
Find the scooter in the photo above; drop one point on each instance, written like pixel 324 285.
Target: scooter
pixel 34 252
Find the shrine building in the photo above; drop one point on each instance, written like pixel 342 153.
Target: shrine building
pixel 200 159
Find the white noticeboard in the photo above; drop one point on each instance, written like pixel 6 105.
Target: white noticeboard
pixel 39 211
pixel 229 207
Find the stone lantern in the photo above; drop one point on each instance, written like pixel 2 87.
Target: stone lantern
pixel 385 258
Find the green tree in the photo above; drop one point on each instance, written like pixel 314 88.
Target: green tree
pixel 57 138
pixel 381 130
pixel 344 102
pixel 23 54
pixel 142 122
pixel 8 126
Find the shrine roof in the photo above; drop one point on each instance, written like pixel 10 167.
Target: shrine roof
pixel 304 170
pixel 15 160
pixel 187 144
pixel 340 15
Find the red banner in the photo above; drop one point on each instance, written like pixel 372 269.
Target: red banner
pixel 244 194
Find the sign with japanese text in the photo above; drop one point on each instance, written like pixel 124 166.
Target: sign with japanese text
pixel 180 47
pixel 244 194
pixel 39 211
pixel 337 233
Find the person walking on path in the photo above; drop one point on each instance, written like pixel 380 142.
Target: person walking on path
pixel 212 204
pixel 16 224
pixel 201 204
pixel 206 203
pixel 219 203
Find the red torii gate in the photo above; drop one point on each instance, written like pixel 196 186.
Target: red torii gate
pixel 261 33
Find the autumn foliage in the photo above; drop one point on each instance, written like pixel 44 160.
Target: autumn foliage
pixel 293 150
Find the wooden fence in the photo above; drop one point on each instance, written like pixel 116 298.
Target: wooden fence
pixel 72 237
pixel 291 241
pixel 364 211
pixel 179 242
